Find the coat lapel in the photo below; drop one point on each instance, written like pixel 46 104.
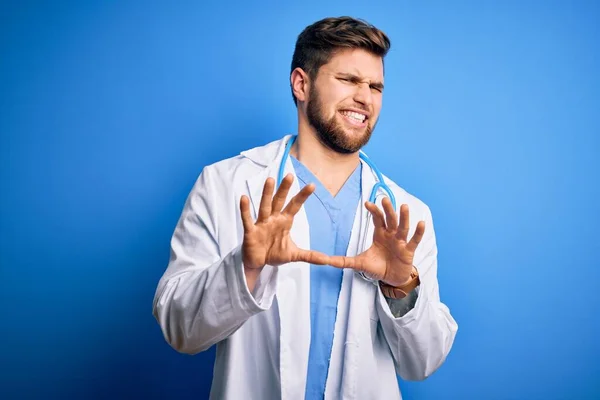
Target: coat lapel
pixel 351 326
pixel 293 291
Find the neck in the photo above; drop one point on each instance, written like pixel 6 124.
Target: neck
pixel 331 168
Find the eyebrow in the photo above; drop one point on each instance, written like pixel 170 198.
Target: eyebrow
pixel 357 79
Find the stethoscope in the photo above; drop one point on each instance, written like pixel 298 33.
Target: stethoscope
pixel 372 198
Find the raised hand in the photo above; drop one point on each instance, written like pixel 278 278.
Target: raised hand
pixel 268 241
pixel 390 257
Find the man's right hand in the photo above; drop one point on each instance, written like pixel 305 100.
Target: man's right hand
pixel 268 241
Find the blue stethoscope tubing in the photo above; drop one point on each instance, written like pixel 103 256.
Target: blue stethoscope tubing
pixel 379 185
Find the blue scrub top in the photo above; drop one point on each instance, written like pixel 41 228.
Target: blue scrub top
pixel 330 221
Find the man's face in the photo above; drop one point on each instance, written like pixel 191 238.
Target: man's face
pixel 344 100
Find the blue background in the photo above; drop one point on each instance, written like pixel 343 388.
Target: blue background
pixel 109 111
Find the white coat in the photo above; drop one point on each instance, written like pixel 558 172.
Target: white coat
pixel 263 337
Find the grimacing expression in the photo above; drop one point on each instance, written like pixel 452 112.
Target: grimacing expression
pixel 345 98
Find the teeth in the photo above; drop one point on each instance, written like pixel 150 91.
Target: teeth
pixel 357 116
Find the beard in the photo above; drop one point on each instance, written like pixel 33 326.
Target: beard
pixel 330 132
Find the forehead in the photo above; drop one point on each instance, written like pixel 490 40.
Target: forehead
pixel 357 62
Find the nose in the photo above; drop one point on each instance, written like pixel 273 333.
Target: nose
pixel 363 94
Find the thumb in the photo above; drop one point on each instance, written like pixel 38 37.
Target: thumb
pixel 312 257
pixel 343 262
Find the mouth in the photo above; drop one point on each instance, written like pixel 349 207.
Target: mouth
pixel 355 118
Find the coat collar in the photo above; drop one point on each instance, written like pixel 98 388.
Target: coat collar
pixel 267 154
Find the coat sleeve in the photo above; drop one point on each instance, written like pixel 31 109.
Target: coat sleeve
pixel 202 297
pixel 421 339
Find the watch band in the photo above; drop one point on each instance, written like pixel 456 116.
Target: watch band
pixel 400 292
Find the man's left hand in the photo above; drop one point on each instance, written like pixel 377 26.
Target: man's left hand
pixel 390 257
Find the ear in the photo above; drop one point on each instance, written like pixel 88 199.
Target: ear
pixel 299 83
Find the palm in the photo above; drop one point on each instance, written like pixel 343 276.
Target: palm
pixel 268 241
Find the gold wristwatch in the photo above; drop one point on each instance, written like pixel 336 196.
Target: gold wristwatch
pixel 400 292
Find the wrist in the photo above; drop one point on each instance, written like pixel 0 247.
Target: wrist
pixel 251 276
pixel 396 283
pixel 402 290
pixel 251 272
pixel 248 263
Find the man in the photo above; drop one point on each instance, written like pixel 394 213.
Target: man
pixel 278 277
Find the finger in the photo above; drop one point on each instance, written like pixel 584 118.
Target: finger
pixel 416 239
pixel 245 211
pixel 298 200
pixel 378 219
pixel 282 193
pixel 265 202
pixel 402 232
pixel 390 214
